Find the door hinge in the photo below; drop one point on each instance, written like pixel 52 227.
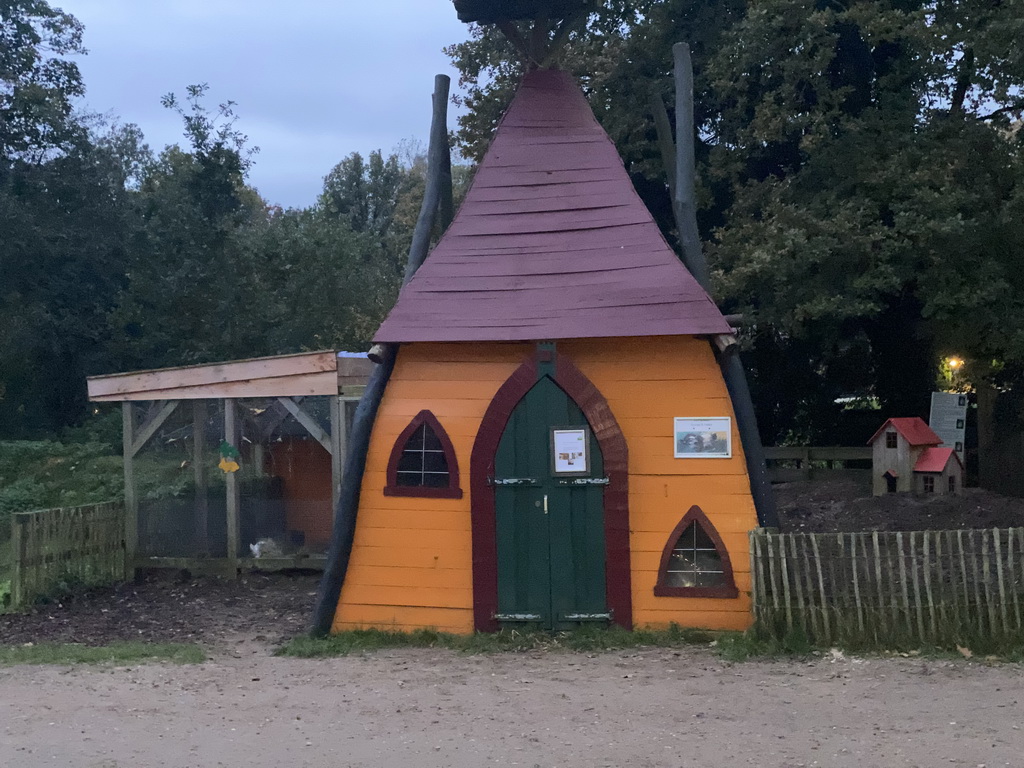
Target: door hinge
pixel 587 616
pixel 529 481
pixel 518 616
pixel 585 481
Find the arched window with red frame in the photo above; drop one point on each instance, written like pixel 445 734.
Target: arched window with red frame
pixel 695 562
pixel 423 462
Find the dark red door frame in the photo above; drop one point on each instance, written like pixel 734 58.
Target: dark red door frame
pixel 616 495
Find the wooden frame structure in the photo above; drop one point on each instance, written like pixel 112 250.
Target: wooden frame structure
pixel 286 378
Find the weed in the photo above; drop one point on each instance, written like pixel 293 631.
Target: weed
pixel 115 653
pixel 587 639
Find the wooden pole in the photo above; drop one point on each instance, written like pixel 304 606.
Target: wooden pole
pixel 202 502
pixel 1000 568
pixel 684 208
pixel 18 555
pixel 821 588
pixel 131 500
pixel 684 205
pixel 231 482
pixel 347 509
pixel 337 448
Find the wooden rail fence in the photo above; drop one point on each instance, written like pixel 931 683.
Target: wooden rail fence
pixel 58 549
pixel 888 589
pixel 792 463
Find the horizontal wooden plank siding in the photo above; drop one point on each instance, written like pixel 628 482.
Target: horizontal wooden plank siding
pixel 648 382
pixel 56 550
pixel 411 565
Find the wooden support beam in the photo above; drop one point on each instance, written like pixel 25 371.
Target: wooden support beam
pixel 199 469
pixel 338 443
pixel 231 484
pixel 307 421
pixel 511 31
pixel 147 430
pixel 539 39
pixel 131 499
pixel 561 37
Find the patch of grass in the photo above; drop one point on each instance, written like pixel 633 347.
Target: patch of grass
pixel 587 639
pixel 115 653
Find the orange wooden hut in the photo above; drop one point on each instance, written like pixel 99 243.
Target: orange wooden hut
pixel 556 444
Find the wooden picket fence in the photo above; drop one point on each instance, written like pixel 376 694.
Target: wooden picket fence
pixel 56 550
pixel 890 589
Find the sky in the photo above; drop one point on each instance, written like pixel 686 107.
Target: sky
pixel 313 80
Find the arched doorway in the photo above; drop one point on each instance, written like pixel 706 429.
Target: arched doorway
pixel 548 393
pixel 549 506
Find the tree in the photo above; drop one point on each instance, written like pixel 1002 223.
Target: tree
pixel 859 182
pixel 38 84
pixel 62 225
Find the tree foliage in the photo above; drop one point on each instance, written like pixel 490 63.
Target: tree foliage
pixel 115 258
pixel 861 180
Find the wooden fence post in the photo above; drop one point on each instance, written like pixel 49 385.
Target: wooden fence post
pixel 231 483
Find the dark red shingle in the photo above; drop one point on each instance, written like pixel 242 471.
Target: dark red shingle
pixel 551 242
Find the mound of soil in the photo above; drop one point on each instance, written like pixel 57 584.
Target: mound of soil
pixel 269 608
pixel 841 504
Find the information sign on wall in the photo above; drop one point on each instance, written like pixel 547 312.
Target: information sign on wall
pixel 709 438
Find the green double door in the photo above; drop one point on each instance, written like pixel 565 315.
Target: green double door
pixel 550 525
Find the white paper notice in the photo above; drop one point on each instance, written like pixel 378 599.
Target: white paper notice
pixel 570 449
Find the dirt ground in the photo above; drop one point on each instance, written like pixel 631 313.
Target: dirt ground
pixel 438 709
pixel 430 708
pixel 647 708
pixel 827 505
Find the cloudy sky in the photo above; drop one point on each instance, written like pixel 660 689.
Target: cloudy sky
pixel 313 79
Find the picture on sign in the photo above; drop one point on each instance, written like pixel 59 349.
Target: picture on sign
pixel 709 438
pixel 569 454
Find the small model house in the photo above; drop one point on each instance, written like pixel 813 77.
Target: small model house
pixel 556 445
pixel 907 456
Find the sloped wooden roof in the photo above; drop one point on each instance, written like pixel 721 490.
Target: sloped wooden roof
pixel 307 373
pixel 551 242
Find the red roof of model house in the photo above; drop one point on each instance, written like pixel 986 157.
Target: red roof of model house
pixel 551 242
pixel 912 428
pixel 935 459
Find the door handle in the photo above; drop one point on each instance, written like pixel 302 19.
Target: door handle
pixel 545 503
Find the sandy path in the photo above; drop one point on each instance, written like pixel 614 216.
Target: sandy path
pixel 433 708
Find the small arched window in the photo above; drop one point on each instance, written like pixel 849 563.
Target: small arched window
pixel 695 562
pixel 423 462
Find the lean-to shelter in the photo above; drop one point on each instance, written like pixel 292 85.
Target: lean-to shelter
pixel 556 445
pixel 222 455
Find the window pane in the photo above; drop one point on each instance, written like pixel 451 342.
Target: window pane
pixel 435 462
pixel 695 562
pixel 436 481
pixel 431 442
pixel 409 478
pixel 410 461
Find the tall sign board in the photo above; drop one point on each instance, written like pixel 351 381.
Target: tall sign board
pixel 948 419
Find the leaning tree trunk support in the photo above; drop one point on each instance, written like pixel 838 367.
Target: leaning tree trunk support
pixel 681 173
pixel 437 197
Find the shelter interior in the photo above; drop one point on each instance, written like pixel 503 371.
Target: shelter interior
pixel 232 462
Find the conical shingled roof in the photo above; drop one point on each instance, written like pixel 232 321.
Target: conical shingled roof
pixel 551 242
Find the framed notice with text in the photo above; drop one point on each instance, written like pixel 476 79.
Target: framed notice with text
pixel 569 451
pixel 705 438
